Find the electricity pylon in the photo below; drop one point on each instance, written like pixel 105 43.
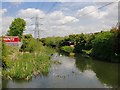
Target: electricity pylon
pixel 37 27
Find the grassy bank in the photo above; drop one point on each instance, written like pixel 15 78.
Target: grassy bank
pixel 25 65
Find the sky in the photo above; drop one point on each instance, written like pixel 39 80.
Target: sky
pixel 60 18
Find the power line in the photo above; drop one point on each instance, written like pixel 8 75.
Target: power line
pixel 54 4
pixel 50 9
pixel 97 8
pixel 105 5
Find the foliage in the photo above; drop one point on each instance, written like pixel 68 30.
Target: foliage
pixel 27 65
pixel 88 52
pixel 52 41
pixel 80 43
pixel 67 49
pixel 116 42
pixel 33 59
pixel 0 51
pixel 17 27
pixel 3 56
pixel 103 45
pixel 88 38
pixel 29 44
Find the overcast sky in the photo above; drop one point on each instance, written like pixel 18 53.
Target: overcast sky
pixel 60 18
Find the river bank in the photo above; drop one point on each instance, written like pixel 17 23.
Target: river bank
pixel 25 65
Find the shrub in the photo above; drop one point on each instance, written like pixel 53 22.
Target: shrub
pixel 67 49
pixel 103 45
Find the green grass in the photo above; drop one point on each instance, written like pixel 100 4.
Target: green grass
pixel 25 65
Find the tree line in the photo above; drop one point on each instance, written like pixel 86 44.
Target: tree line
pixel 104 45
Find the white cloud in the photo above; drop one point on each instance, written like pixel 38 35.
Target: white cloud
pixel 91 11
pixel 30 12
pixel 6 21
pixel 2 11
pixel 68 19
pixel 102 19
pixel 112 11
pixel 58 17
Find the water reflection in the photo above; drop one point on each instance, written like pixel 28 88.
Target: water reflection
pixel 83 63
pixel 106 72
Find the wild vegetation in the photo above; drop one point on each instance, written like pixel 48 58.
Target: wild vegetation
pixel 31 59
pixel 104 45
pixel 67 49
pixel 52 41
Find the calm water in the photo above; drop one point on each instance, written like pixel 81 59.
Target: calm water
pixel 74 72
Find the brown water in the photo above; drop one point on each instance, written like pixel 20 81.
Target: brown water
pixel 74 72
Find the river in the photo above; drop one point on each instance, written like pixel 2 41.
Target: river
pixel 73 72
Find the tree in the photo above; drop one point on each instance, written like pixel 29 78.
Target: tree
pixel 103 45
pixel 116 32
pixel 17 27
pixel 67 49
pixel 80 43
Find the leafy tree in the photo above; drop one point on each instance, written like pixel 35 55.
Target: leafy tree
pixel 103 45
pixel 67 49
pixel 72 37
pixel 88 39
pixel 80 43
pixel 52 41
pixel 17 27
pixel 116 32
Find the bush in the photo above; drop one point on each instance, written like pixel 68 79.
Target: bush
pixel 103 45
pixel 30 44
pixel 67 49
pixel 52 41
